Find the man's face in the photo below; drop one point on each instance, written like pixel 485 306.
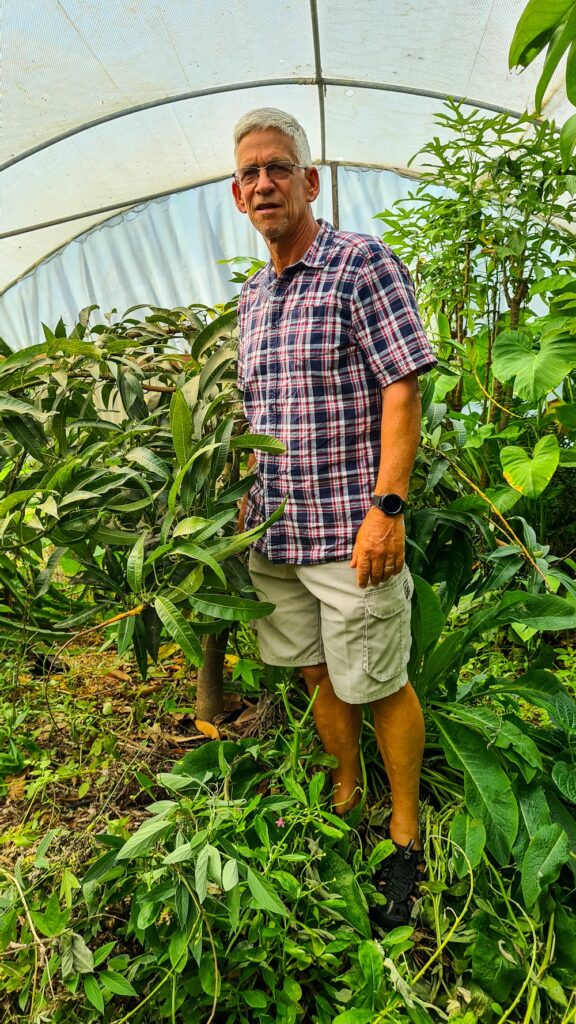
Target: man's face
pixel 277 209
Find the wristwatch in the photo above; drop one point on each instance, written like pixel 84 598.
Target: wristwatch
pixel 390 504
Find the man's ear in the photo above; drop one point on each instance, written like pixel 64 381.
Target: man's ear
pixel 313 182
pixel 237 193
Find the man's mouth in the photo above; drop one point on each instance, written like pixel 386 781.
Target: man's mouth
pixel 263 207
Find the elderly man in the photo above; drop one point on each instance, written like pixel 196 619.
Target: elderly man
pixel 330 349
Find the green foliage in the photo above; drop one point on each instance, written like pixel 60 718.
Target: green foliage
pixel 550 23
pixel 123 452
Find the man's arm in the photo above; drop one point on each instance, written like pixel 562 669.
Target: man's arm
pixel 379 549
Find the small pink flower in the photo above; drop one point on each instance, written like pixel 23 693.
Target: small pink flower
pixel 280 822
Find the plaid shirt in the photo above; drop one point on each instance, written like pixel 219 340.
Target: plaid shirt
pixel 317 345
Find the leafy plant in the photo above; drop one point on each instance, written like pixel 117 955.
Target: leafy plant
pixel 553 25
pixel 123 452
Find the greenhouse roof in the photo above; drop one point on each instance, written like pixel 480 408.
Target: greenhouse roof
pixel 109 103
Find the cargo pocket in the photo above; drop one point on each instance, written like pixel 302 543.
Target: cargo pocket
pixel 386 642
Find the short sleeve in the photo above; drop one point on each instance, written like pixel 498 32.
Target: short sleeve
pixel 385 318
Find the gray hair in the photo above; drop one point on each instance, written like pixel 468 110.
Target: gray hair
pixel 269 117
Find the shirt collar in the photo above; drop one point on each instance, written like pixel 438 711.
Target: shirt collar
pixel 315 256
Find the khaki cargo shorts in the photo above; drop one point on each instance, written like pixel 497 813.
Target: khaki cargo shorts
pixel 322 615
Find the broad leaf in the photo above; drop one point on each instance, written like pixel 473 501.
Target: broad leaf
pixel 469 835
pixel 535 372
pixel 564 776
pixel 339 878
pixel 535 28
pixel 489 796
pixel 547 853
pixel 263 894
pixel 495 966
pixel 531 476
pixel 144 838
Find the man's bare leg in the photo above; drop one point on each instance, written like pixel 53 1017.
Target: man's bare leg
pixel 339 726
pixel 399 727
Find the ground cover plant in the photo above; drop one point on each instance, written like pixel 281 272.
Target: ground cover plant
pixel 155 866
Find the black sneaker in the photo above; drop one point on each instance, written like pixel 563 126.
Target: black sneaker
pixel 398 880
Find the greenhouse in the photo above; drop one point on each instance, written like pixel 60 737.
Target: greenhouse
pixel 198 821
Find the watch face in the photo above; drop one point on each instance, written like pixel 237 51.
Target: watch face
pixel 392 504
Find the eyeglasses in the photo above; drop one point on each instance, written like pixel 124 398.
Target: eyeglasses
pixel 277 170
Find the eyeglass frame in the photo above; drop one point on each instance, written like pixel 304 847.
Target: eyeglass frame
pixel 288 164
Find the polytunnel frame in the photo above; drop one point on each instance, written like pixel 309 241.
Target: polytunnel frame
pixel 319 80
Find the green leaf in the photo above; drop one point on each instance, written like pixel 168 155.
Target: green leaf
pixel 214 330
pixel 230 875
pixel 427 617
pixel 201 873
pixel 179 629
pixel 338 877
pixel 178 950
pixel 259 442
pixel 263 894
pixel 181 427
pixel 201 555
pixel 213 367
pixel 255 998
pixel 143 839
pixel 528 475
pixel 149 460
pixel 564 776
pixel 117 983
pixel 470 835
pixel 229 607
pixel 534 29
pixel 14 500
pixel 82 956
pixel 44 578
pixel 17 406
pixel 559 43
pixel 535 372
pixel 547 852
pixel 53 921
pixel 371 963
pixel 498 974
pixel 489 796
pixel 93 992
pixel 540 611
pixel 135 564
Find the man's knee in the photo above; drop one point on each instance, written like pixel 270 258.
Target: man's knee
pixel 314 675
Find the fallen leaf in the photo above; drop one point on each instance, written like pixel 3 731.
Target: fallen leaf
pixel 115 673
pixel 16 786
pixel 207 729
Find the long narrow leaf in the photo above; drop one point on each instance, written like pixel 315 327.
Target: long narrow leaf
pixel 179 629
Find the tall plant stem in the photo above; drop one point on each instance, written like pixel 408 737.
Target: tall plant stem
pixel 541 971
pixel 504 522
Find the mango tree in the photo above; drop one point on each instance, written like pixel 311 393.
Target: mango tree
pixel 121 456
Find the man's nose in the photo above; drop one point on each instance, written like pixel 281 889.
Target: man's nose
pixel 264 182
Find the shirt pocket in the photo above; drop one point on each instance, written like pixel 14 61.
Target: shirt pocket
pixel 317 339
pixel 386 637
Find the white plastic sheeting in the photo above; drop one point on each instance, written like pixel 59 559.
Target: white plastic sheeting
pixel 111 102
pixel 166 253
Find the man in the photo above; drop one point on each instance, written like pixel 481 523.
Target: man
pixel 330 349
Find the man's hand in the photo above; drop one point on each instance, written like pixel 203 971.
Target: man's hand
pixel 379 549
